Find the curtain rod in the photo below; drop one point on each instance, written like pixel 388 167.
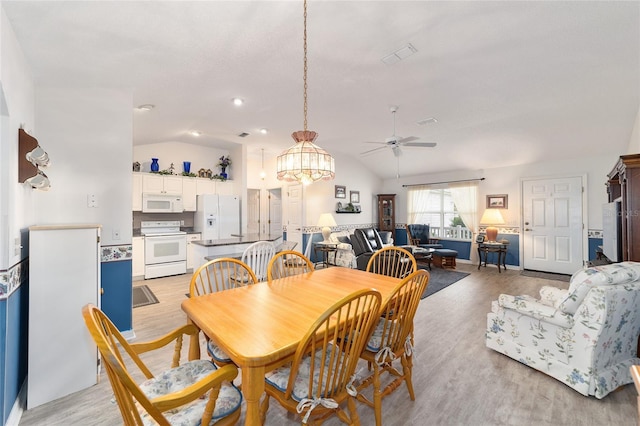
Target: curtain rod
pixel 448 181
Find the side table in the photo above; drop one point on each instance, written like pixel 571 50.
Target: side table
pixel 492 247
pixel 325 249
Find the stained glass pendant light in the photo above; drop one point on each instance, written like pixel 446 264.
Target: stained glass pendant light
pixel 305 161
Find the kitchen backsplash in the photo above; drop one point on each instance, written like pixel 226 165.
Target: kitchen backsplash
pixel 187 217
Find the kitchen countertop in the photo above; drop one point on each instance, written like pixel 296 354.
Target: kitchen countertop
pixel 247 238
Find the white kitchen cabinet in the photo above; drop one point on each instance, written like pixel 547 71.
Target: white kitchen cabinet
pixel 64 275
pixel 224 188
pixel 189 192
pixel 137 260
pixel 190 238
pixel 205 186
pixel 136 192
pixel 161 184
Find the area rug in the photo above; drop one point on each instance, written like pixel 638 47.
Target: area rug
pixel 545 275
pixel 142 296
pixel 441 278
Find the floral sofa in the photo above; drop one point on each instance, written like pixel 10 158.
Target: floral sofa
pixel 585 337
pixel 346 255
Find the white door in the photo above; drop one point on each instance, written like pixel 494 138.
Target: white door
pixel 253 212
pixel 294 214
pixel 275 211
pixel 552 224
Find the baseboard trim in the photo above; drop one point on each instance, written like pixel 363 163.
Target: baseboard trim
pixel 18 407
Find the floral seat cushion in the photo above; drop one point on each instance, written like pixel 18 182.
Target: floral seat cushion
pixel 176 379
pixel 280 377
pixel 217 353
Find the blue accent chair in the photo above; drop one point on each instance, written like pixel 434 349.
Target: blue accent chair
pixel 418 235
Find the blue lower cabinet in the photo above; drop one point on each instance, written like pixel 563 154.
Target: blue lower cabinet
pixel 116 293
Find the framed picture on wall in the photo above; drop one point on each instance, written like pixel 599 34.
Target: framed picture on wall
pixel 354 196
pixel 341 191
pixel 498 201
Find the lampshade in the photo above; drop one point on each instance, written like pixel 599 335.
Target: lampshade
pixel 305 161
pixel 492 217
pixel 326 221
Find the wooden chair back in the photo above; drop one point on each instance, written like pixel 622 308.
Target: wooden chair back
pixel 119 358
pixel 392 261
pixel 219 275
pixel 287 263
pixel 635 373
pixel 257 256
pixel 399 311
pixel 335 340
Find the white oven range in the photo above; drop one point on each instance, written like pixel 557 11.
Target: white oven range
pixel 165 248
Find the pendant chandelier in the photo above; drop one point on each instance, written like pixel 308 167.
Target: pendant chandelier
pixel 305 161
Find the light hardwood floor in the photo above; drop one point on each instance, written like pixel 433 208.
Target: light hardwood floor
pixel 458 381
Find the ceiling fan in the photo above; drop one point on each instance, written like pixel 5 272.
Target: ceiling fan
pixel 395 142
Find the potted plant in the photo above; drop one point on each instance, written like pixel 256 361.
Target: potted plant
pixel 224 163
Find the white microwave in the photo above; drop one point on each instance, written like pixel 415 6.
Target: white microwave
pixel 162 203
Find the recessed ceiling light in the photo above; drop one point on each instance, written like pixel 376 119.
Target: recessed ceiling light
pixel 146 107
pixel 195 133
pixel 264 131
pixel 238 101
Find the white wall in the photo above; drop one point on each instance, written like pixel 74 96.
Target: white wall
pixel 506 180
pixel 17 105
pixel 88 135
pixel 634 142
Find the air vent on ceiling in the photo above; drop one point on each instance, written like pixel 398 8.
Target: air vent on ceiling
pixel 243 134
pixel 399 54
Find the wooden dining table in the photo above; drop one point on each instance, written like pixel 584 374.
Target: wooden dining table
pixel 259 326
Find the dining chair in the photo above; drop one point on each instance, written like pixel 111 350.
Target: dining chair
pixel 392 261
pixel 194 392
pixel 216 275
pixel 220 274
pixel 257 256
pixel 320 376
pixel 391 339
pixel 287 263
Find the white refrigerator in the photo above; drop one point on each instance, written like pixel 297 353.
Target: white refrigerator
pixel 217 216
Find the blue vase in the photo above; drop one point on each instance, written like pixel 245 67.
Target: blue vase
pixel 154 165
pixel 223 173
pixel 186 166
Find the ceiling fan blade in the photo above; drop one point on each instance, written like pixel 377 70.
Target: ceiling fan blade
pixel 422 144
pixel 371 151
pixel 379 143
pixel 407 139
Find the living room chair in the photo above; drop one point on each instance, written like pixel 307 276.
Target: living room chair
pixel 393 262
pixel 391 340
pixel 257 256
pixel 419 235
pixel 319 378
pixel 365 241
pixel 195 392
pixel 216 275
pixel 586 336
pixel 287 263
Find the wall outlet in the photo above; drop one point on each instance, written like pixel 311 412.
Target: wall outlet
pixel 182 223
pixel 17 247
pixel 115 234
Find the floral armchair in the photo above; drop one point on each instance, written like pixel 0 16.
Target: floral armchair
pixel 344 255
pixel 585 337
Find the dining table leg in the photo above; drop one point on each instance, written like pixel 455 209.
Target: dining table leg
pixel 194 344
pixel 252 389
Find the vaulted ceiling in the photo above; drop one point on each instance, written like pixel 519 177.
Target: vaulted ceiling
pixel 508 82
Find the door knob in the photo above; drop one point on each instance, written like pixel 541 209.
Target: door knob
pixel 527 229
pixel 526 223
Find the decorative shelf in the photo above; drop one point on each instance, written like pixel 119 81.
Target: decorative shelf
pixel 346 212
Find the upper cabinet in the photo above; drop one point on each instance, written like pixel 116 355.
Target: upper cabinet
pixel 161 184
pixel 188 187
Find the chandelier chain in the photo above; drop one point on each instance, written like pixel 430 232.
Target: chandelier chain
pixel 305 65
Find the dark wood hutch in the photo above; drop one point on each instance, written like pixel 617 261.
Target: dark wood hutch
pixel 624 185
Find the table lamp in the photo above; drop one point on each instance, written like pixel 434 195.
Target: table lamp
pixel 492 217
pixel 326 221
